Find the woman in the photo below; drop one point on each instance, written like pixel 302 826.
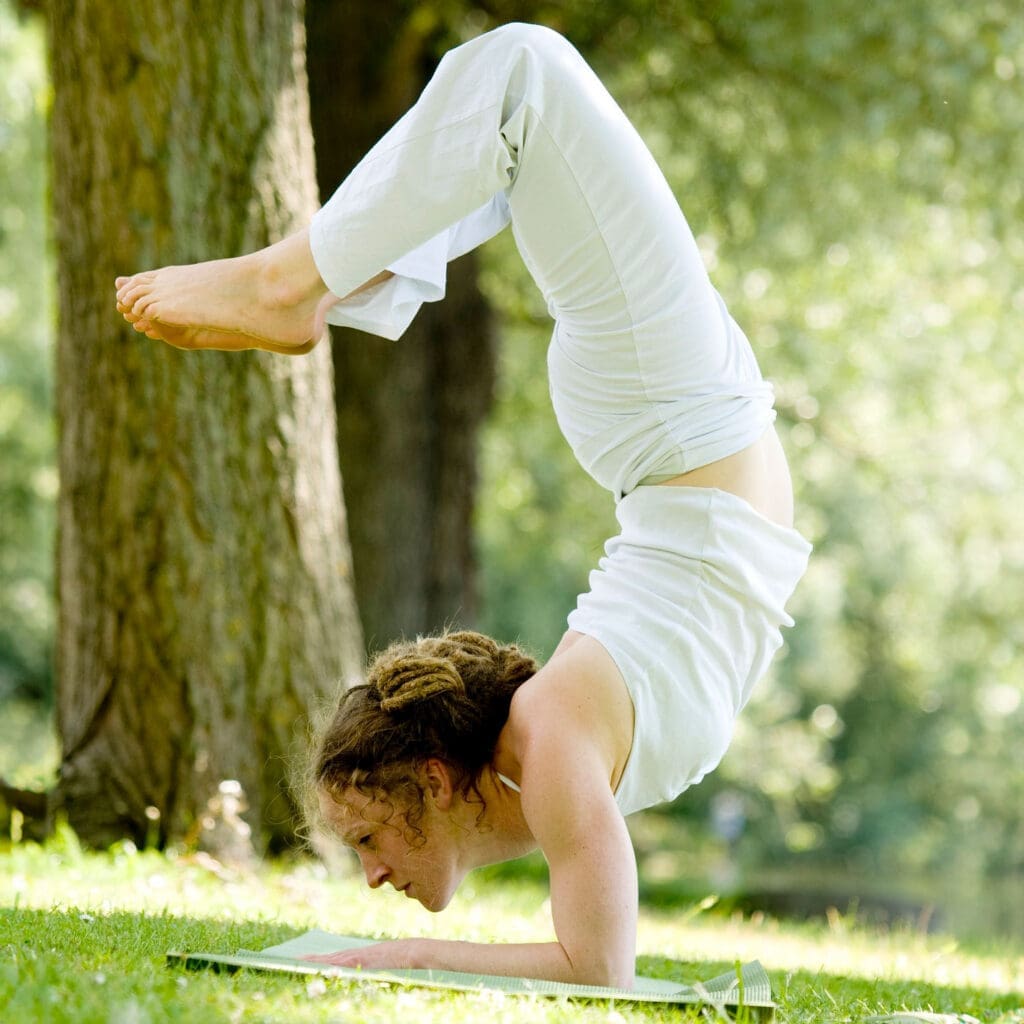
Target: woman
pixel 458 752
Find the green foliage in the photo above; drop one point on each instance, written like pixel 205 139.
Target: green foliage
pixel 28 479
pixel 83 938
pixel 29 753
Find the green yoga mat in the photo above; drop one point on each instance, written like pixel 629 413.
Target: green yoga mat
pixel 748 986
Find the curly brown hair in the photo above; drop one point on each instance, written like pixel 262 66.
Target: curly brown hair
pixel 444 697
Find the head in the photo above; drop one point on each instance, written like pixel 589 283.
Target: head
pixel 399 762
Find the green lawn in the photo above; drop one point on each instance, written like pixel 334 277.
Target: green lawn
pixel 82 938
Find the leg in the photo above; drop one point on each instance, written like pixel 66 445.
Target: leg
pixel 518 110
pixel 515 109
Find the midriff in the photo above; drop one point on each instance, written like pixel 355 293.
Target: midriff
pixel 758 474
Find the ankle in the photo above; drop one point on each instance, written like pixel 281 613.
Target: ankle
pixel 287 276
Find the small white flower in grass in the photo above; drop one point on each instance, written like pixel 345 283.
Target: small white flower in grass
pixel 316 987
pixel 86 917
pixel 182 982
pixel 99 978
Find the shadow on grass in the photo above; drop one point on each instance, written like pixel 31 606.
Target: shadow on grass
pixel 93 961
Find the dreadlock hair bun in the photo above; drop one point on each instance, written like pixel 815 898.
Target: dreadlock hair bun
pixel 409 679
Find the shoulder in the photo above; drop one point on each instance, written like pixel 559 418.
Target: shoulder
pixel 576 707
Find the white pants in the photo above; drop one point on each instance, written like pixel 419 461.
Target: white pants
pixel 650 377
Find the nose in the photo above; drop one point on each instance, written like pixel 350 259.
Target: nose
pixel 376 871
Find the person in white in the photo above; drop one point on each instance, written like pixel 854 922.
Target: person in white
pixel 657 391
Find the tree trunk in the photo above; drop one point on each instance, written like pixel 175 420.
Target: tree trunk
pixel 205 598
pixel 408 414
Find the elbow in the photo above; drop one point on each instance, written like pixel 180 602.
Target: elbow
pixel 623 978
pixel 610 979
pixel 606 974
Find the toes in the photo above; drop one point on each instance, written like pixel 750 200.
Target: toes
pixel 137 300
pixel 126 284
pixel 132 289
pixel 150 330
pixel 133 286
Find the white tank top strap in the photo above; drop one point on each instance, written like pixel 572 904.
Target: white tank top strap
pixel 508 782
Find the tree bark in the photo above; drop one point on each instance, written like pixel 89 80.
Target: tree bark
pixel 205 598
pixel 409 414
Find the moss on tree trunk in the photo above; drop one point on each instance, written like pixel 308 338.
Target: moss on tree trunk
pixel 205 595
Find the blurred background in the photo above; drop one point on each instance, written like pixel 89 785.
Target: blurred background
pixel 853 174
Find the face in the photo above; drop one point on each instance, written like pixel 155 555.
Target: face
pixel 425 869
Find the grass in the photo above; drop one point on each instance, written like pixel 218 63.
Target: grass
pixel 83 936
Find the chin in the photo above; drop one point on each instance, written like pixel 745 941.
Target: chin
pixel 437 902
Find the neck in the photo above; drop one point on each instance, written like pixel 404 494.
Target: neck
pixel 501 833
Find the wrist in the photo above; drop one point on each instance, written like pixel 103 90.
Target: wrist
pixel 423 954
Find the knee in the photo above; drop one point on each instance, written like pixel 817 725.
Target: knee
pixel 538 39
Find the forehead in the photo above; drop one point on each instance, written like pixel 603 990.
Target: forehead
pixel 353 811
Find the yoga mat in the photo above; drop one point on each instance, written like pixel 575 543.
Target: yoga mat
pixel 748 986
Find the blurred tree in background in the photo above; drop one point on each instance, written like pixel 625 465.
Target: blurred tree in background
pixel 853 174
pixel 28 472
pixel 409 415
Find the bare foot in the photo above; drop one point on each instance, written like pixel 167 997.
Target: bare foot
pixel 192 338
pixel 273 299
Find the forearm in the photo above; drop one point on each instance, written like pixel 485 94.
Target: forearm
pixel 546 960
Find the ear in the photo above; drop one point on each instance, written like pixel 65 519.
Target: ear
pixel 436 778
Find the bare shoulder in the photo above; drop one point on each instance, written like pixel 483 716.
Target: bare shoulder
pixel 578 699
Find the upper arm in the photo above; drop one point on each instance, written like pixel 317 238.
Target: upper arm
pixel 569 805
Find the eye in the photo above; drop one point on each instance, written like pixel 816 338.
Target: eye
pixel 364 841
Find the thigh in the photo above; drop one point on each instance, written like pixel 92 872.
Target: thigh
pixel 593 216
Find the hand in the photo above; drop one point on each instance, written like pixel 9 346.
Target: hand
pixel 380 956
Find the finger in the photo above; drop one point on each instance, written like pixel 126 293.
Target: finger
pixel 333 959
